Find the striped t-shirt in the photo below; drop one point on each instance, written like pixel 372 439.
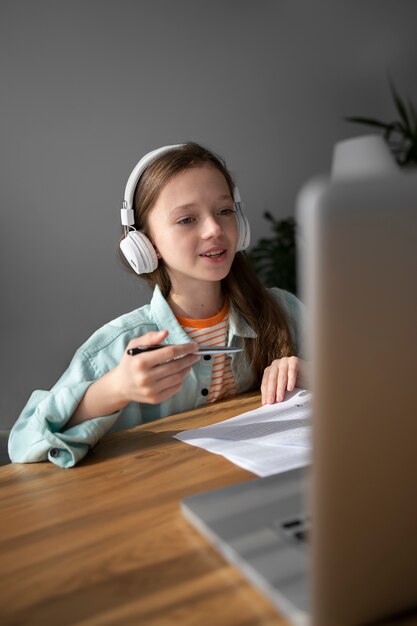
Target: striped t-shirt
pixel 213 332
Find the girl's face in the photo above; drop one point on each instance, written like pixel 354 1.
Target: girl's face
pixel 193 226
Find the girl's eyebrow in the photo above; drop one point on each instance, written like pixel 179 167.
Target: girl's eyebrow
pixel 182 207
pixel 191 205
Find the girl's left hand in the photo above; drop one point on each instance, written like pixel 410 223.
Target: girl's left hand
pixel 279 377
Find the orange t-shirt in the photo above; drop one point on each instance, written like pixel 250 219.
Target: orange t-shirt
pixel 213 332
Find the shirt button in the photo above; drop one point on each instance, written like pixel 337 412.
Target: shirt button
pixel 204 392
pixel 207 357
pixel 54 452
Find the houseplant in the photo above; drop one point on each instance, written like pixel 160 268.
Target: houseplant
pixel 274 258
pixel 400 134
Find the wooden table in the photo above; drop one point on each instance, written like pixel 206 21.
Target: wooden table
pixel 105 543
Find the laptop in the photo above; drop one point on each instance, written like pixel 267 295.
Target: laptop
pixel 336 544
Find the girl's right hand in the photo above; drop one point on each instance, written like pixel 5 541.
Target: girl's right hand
pixel 154 376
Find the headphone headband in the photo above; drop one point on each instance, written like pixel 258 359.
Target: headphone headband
pixel 127 214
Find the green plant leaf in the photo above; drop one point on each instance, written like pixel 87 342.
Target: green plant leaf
pixel 369 122
pixel 400 135
pixel 413 115
pixel 274 259
pixel 400 106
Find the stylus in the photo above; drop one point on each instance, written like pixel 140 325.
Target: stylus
pixel 201 349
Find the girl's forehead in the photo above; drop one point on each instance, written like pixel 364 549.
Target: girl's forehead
pixel 198 179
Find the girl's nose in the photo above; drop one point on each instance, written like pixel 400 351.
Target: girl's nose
pixel 211 228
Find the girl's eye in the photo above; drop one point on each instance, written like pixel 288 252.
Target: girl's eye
pixel 185 220
pixel 226 211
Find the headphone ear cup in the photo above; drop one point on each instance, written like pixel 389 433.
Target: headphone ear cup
pixel 139 252
pixel 243 230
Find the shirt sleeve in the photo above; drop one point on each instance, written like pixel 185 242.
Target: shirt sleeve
pixel 37 434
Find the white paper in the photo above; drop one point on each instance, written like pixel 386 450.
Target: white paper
pixel 271 439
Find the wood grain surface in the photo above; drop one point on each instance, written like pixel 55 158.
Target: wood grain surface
pixel 105 542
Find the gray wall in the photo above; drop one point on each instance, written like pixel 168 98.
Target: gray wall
pixel 89 86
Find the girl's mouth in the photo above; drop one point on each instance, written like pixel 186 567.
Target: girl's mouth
pixel 214 254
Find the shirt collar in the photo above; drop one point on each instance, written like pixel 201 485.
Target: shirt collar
pixel 166 320
pixel 238 326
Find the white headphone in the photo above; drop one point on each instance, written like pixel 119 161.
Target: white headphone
pixel 136 247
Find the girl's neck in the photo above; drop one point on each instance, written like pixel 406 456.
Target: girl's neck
pixel 201 303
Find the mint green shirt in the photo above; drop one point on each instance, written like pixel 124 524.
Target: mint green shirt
pixel 37 434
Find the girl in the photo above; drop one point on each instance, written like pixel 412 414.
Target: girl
pixel 184 232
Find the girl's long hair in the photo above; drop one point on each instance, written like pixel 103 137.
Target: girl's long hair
pixel 241 287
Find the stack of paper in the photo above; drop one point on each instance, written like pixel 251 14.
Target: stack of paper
pixel 272 439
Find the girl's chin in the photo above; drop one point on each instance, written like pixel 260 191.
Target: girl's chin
pixel 216 275
pixel 201 271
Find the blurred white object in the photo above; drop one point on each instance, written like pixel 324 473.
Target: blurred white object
pixel 362 157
